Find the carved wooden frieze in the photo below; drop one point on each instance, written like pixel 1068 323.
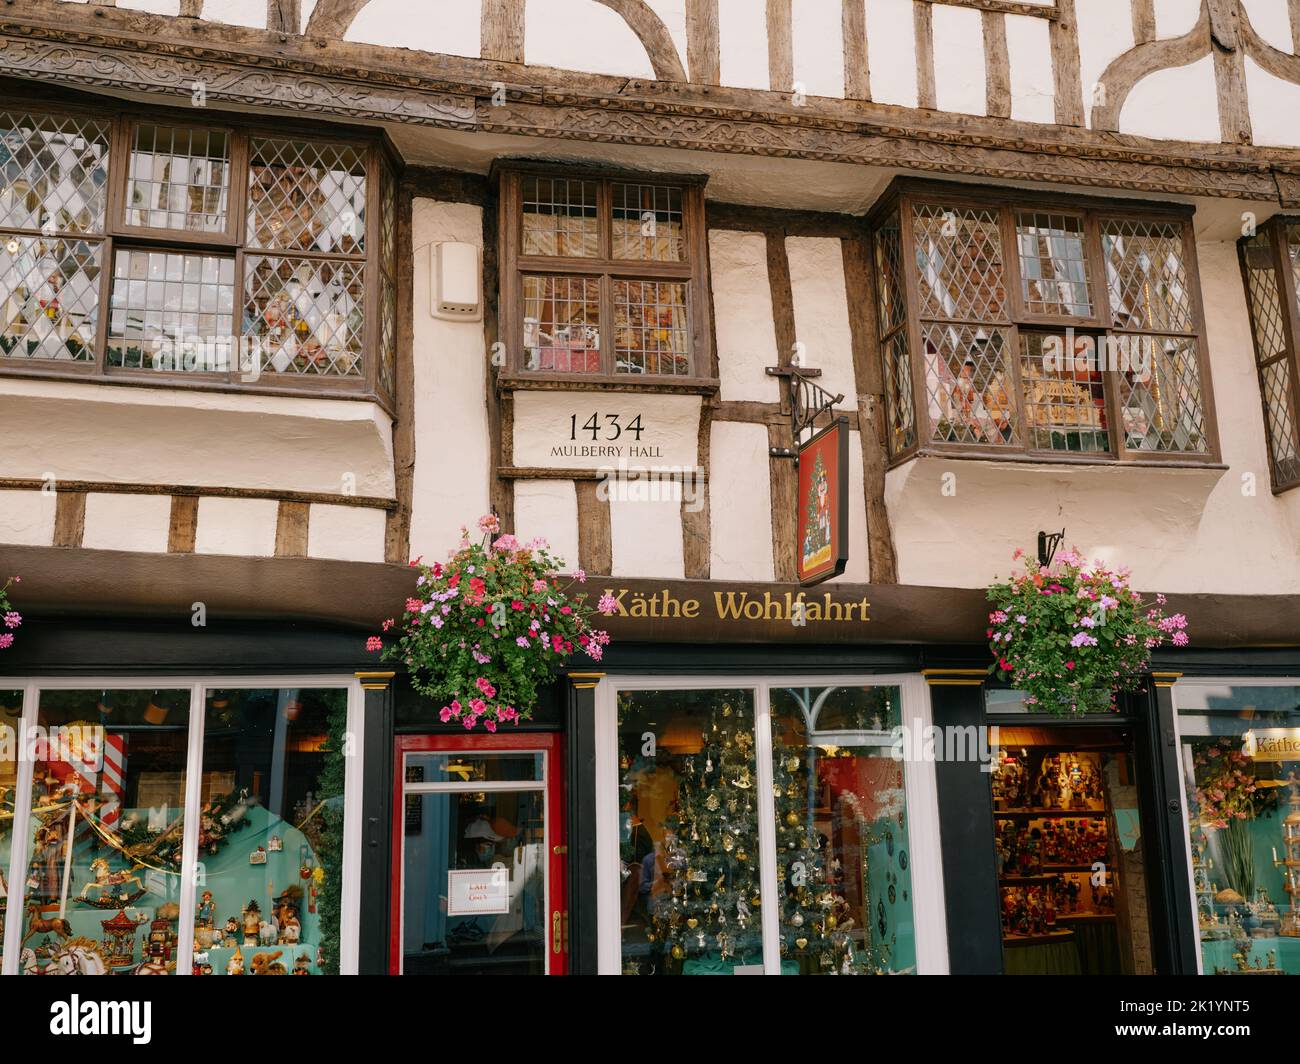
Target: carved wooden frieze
pixel 178 76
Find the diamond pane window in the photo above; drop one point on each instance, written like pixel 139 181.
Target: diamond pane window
pixel 1160 398
pixel 171 310
pixel 1262 290
pixel 560 217
pixel 387 336
pixel 1293 253
pixel 1065 399
pixel 179 179
pixel 53 168
pixel 562 324
pixel 648 223
pixel 898 394
pixel 388 221
pixel 1265 273
pixel 889 277
pixel 959 263
pixel 969 384
pixel 650 328
pixel 308 314
pixel 49 298
pixel 1053 264
pixel 1147 276
pixel 306 196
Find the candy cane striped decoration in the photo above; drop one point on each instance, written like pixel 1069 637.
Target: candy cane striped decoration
pixel 113 779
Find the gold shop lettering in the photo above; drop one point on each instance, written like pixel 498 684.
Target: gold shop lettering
pixel 740 606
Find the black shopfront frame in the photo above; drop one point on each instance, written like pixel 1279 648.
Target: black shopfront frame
pixel 88 646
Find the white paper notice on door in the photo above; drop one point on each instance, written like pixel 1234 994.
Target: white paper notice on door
pixel 478 891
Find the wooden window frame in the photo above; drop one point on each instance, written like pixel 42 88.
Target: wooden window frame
pixel 1277 227
pixel 374 148
pixel 906 194
pixel 692 271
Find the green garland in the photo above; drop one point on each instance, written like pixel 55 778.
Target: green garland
pixel 330 850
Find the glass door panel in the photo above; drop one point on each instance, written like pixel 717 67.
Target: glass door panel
pixel 474 876
pixel 479 856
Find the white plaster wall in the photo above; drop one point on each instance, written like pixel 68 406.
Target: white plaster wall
pixel 154 7
pixel 549 508
pixel 818 47
pixel 447 26
pixel 1179 530
pixel 858 568
pixel 821 312
pixel 75 431
pixel 1271 21
pixel 236 12
pixel 127 522
pixel 345 533
pixel 742 315
pixel 1029 53
pixel 27 517
pixel 1181 103
pixel 605 45
pixel 1274 107
pixel 742 44
pixel 1105 33
pixel 891 52
pixel 1175 17
pixel 959 60
pixel 236 526
pixel 647 538
pixel 451 433
pixel 740 503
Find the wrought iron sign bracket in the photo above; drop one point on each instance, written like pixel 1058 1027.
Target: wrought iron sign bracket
pixel 1047 544
pixel 806 402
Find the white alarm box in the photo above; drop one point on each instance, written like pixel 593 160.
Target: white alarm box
pixel 456 278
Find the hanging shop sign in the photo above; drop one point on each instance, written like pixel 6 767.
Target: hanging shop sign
pixel 823 504
pixel 478 891
pixel 605 431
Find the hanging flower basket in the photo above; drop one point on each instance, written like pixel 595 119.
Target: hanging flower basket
pixel 489 627
pixel 1074 635
pixel 10 618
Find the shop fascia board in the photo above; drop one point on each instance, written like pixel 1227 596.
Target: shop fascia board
pixel 61 581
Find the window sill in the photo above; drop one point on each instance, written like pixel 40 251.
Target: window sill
pixel 1047 461
pixel 578 382
pixel 296 388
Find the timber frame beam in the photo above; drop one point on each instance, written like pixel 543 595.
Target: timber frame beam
pixel 120 50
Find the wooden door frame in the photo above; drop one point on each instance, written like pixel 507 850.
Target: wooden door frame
pixel 549 743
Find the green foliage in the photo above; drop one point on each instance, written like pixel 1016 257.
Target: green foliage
pixel 329 850
pixel 486 630
pixel 1073 635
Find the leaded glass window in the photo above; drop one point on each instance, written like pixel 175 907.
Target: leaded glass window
pixel 1022 324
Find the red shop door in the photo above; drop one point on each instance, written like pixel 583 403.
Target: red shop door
pixel 479 856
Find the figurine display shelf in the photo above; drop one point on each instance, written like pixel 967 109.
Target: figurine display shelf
pixel 102 902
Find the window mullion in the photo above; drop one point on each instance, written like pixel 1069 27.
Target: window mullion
pixel 1021 437
pixel 20 836
pixel 606 325
pixel 1286 290
pixel 912 306
pixel 189 879
pixel 770 910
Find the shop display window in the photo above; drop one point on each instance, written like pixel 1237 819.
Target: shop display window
pixel 125 782
pixel 103 888
pixel 1070 854
pixel 11 713
pixel 1240 754
pixel 711 839
pixel 270 832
